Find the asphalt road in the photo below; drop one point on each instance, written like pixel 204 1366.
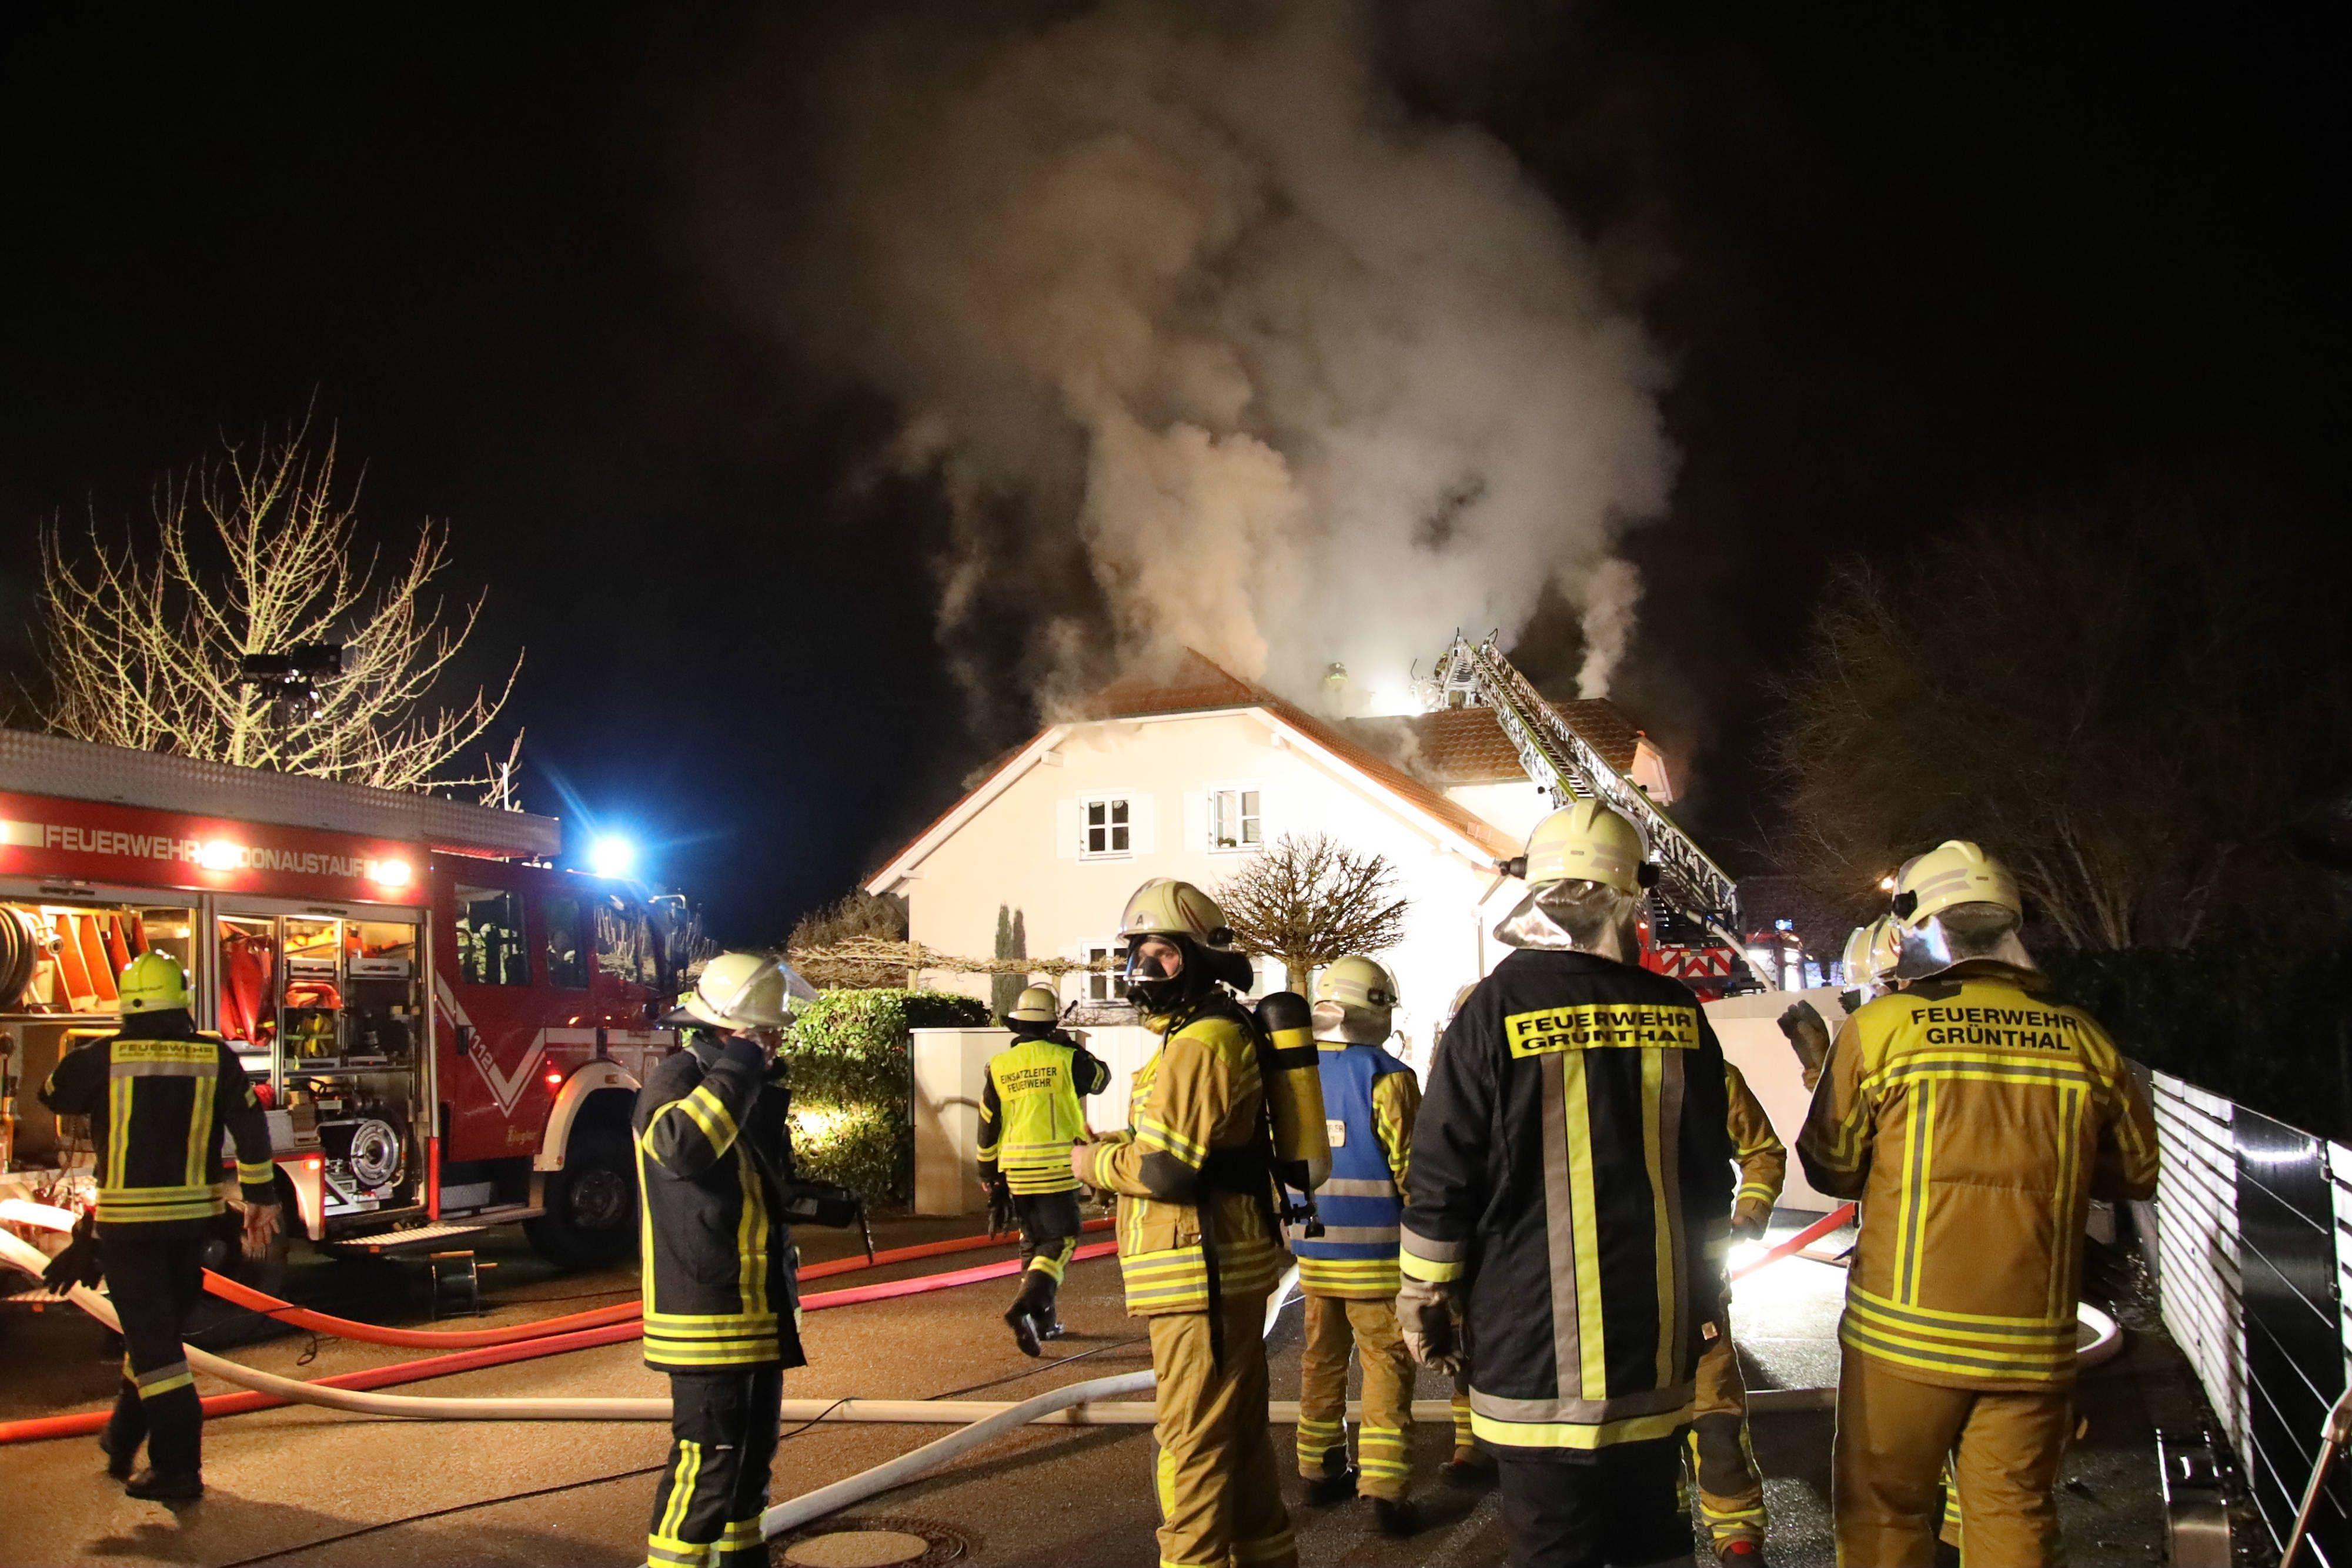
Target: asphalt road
pixel 288 1487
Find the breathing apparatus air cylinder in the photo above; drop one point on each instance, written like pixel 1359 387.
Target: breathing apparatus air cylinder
pixel 1293 1076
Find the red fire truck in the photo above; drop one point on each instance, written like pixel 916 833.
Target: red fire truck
pixel 449 1031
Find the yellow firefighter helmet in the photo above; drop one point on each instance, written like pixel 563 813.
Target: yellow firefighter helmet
pixel 1035 1005
pixel 153 983
pixel 1354 1001
pixel 1585 842
pixel 1954 872
pixel 743 990
pixel 1166 907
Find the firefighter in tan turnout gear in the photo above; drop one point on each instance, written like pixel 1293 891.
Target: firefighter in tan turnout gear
pixel 1198 1240
pixel 1723 1460
pixel 160 1097
pixel 1570 1186
pixel 1976 1118
pixel 1349 1273
pixel 1029 1119
pixel 714 1154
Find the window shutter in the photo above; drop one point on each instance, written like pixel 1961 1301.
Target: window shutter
pixel 1196 821
pixel 1142 837
pixel 1270 820
pixel 1066 829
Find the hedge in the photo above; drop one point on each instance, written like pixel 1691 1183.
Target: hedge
pixel 2262 1025
pixel 852 1085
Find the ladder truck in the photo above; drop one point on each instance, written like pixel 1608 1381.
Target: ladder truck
pixel 1694 925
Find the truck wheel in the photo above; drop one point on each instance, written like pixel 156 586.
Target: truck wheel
pixel 592 1203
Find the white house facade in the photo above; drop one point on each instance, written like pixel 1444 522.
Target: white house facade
pixel 1187 776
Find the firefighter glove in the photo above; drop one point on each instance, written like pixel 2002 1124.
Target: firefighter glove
pixel 1430 1323
pixel 1000 1205
pixel 78 1264
pixel 1807 1033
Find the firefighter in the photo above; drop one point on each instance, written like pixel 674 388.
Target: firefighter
pixel 1348 1274
pixel 158 1096
pixel 1570 1188
pixel 1029 1119
pixel 1722 1459
pixel 1198 1246
pixel 723 1310
pixel 1976 1118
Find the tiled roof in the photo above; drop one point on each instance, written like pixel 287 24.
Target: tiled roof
pixel 1467 744
pixel 1184 682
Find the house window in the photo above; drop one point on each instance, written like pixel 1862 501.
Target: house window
pixel 1234 822
pixel 1102 984
pixel 1106 828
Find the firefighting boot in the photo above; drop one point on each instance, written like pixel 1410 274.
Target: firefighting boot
pixel 1024 1327
pixel 152 1487
pixel 1396 1515
pixel 1469 1466
pixel 120 1455
pixel 1740 1554
pixel 1336 1483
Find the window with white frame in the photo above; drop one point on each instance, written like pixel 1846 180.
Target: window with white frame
pixel 1102 984
pixel 1233 820
pixel 1107 824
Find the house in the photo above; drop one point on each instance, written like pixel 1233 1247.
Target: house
pixel 1187 772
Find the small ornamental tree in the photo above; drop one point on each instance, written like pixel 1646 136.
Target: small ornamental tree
pixel 1311 901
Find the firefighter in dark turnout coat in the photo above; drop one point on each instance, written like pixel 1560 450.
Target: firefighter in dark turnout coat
pixel 160 1096
pixel 1570 1195
pixel 721 1304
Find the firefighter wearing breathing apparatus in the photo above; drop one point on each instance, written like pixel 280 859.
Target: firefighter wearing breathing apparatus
pixel 1217 1113
pixel 159 1095
pixel 1349 1273
pixel 1976 1119
pixel 1030 1118
pixel 714 1157
pixel 1571 1188
pixel 1722 1459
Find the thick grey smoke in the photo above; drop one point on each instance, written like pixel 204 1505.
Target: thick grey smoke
pixel 1209 338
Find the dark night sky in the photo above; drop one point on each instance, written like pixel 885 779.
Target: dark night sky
pixel 1908 261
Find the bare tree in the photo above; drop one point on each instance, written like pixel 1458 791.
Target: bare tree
pixel 1311 901
pixel 814 945
pixel 2141 706
pixel 254 551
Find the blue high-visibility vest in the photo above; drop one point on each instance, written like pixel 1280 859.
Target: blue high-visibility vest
pixel 1359 1205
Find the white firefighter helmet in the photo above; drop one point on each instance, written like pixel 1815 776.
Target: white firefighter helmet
pixel 744 990
pixel 1955 872
pixel 1585 842
pixel 1038 1004
pixel 1355 999
pixel 1167 907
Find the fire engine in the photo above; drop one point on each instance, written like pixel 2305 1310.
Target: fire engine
pixel 448 1032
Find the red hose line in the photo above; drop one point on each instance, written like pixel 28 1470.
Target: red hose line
pixel 89 1421
pixel 597 1317
pixel 1800 1241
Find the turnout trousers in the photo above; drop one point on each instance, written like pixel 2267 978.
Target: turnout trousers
pixel 1220 1494
pixel 155 1284
pixel 1621 1509
pixel 1050 1224
pixel 707 1503
pixel 1722 1460
pixel 1334 1327
pixel 1894 1436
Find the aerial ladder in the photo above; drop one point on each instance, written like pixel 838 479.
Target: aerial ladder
pixel 1692 890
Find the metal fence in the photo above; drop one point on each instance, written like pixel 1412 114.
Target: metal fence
pixel 2254 1250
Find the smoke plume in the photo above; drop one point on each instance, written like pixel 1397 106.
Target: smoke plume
pixel 1209 343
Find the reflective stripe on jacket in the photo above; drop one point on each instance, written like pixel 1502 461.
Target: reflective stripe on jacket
pixel 158 1108
pixel 711 1150
pixel 1976 1119
pixel 1030 1115
pixel 1763 1158
pixel 1572 1167
pixel 1362 1204
pixel 1198 1096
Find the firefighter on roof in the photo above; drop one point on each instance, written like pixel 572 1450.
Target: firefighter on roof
pixel 1198 1241
pixel 1348 1274
pixel 1029 1119
pixel 723 1310
pixel 1730 1487
pixel 1571 1186
pixel 1976 1118
pixel 158 1096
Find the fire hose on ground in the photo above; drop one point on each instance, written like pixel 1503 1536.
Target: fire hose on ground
pixel 1095 1401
